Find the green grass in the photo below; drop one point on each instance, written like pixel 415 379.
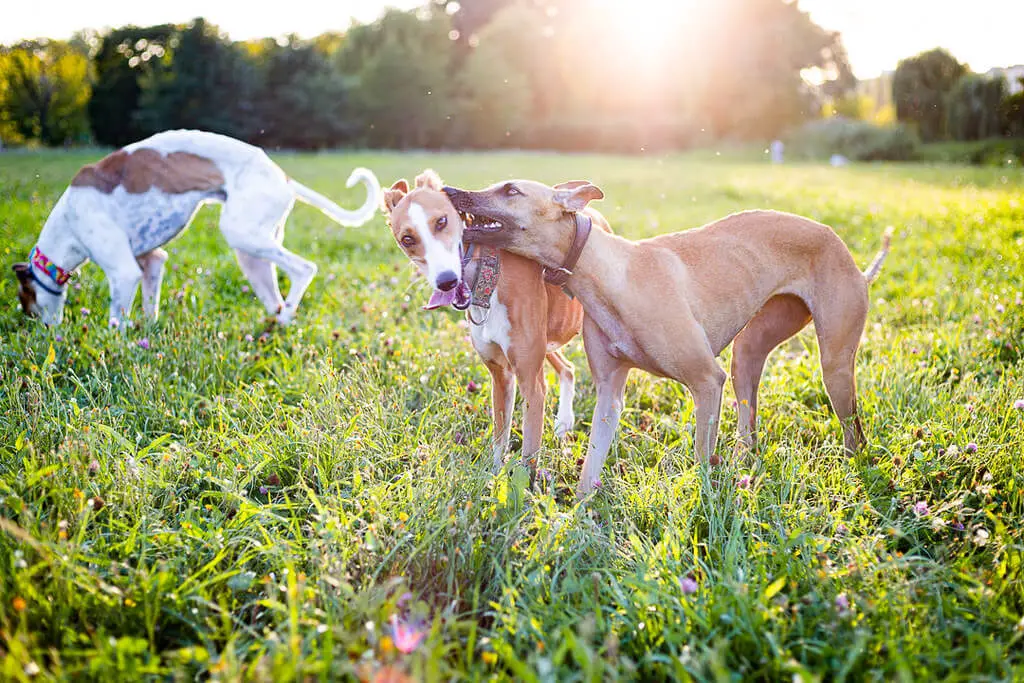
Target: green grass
pixel 257 506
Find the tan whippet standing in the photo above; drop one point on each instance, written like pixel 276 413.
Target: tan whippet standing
pixel 670 304
pixel 520 322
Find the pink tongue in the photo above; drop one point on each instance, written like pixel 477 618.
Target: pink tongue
pixel 459 293
pixel 439 299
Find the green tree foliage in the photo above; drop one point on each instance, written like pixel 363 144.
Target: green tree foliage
pixel 124 58
pixel 301 98
pixel 44 93
pixel 205 84
pixel 921 86
pixel 400 67
pixel 1012 113
pixel 493 87
pixel 973 108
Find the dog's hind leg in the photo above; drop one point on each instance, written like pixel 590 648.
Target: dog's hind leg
pixel 839 331
pixel 262 275
pixel 253 223
pixel 565 418
pixel 778 320
pixel 152 264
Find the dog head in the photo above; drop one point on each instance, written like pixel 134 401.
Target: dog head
pixel 429 231
pixel 36 302
pixel 524 216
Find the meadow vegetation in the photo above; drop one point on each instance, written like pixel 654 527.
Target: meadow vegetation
pixel 210 496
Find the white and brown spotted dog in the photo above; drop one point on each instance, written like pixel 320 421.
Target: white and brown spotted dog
pixel 119 211
pixel 520 321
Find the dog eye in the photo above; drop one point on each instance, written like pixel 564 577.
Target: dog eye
pixel 408 240
pixel 511 190
pixel 441 223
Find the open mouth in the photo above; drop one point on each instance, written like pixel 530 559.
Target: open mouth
pixel 475 223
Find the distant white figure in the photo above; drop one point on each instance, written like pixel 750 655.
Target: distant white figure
pixel 838 160
pixel 777 147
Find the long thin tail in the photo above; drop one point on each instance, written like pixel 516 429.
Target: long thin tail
pixel 335 212
pixel 876 266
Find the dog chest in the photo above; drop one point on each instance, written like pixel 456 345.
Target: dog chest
pixel 492 338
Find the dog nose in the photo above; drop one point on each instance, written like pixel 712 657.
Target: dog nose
pixel 447 280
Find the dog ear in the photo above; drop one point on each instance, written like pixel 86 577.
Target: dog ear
pixel 577 198
pixel 429 179
pixel 22 271
pixel 572 184
pixel 395 194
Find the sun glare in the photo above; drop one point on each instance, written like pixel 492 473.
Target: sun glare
pixel 646 27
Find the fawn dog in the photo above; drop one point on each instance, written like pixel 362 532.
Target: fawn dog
pixel 516 318
pixel 670 304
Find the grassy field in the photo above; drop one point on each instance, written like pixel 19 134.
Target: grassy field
pixel 204 497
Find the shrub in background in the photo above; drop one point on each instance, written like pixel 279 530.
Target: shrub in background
pixel 856 140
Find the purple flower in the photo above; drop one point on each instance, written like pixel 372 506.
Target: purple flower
pixel 60 337
pixel 85 311
pixel 689 585
pixel 744 482
pixel 245 289
pixel 1000 308
pixel 472 387
pixel 404 598
pixel 841 529
pixel 971 447
pixel 407 637
pixel 921 508
pixel 958 526
pixel 248 337
pixel 263 490
pixel 144 343
pixel 842 602
pixel 597 483
pixel 1019 404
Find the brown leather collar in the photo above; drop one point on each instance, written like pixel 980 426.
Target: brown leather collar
pixel 559 276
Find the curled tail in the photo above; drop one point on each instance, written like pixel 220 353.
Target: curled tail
pixel 335 212
pixel 876 266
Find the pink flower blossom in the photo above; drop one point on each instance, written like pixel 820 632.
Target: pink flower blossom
pixel 971 447
pixel 1019 404
pixel 842 602
pixel 85 311
pixel 744 482
pixel 597 483
pixel 248 337
pixel 688 585
pixel 407 637
pixel 921 508
pixel 472 387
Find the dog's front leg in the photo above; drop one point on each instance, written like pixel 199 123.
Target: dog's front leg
pixel 503 401
pixel 611 386
pixel 123 285
pixel 152 264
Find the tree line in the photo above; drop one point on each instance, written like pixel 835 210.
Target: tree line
pixel 555 74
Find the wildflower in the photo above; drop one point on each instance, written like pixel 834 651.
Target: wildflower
pixel 85 311
pixel 144 343
pixel 843 604
pixel 921 508
pixel 60 337
pixel 489 657
pixel 981 537
pixel 596 483
pixel 841 529
pixel 245 289
pixel 263 490
pixel 971 447
pixel 938 524
pixel 128 602
pixel 19 604
pixel 1000 308
pixel 744 482
pixel 31 669
pixel 689 585
pixel 407 637
pixel 248 337
pixel 957 526
pixel 96 503
pixel 460 438
pixel 94 467
pixel 1019 404
pixel 472 387
pixel 715 461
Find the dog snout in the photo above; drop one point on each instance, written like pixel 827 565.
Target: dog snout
pixel 447 280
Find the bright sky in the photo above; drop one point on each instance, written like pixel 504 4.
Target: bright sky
pixel 877 33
